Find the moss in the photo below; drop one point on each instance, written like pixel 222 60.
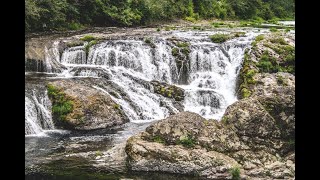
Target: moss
pixel 259 38
pixel 116 106
pixel 239 34
pixel 88 38
pixel 175 51
pixel 245 93
pixel 281 81
pixel 147 40
pixel 219 38
pixel 249 76
pixel 158 29
pixel 273 29
pixel 183 44
pixel 61 104
pixel 98 153
pixel 74 43
pixel 287 30
pixel 196 27
pixel 158 139
pixel 235 173
pixel 279 41
pixel 167 28
pixel 225 120
pixel 187 141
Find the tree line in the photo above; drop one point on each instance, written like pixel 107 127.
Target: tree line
pixel 42 15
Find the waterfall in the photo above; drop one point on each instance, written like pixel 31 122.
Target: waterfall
pixel 37 113
pixel 127 67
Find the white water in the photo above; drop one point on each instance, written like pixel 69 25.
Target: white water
pixel 37 113
pixel 131 64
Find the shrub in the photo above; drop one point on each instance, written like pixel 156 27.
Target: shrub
pixel 88 46
pixel 265 66
pixel 187 141
pixel 87 38
pixel 75 26
pixel 235 173
pixel 219 38
pixel 158 29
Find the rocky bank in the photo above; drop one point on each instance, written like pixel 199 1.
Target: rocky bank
pixel 255 138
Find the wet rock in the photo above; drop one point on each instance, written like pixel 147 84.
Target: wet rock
pixel 42 55
pixel 92 109
pixel 167 90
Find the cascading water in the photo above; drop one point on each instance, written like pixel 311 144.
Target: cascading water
pixel 129 65
pixel 37 113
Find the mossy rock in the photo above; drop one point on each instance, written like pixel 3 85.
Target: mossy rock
pixel 170 91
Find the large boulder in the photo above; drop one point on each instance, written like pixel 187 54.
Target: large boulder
pixel 248 138
pixel 76 105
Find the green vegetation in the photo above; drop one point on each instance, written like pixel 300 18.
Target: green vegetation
pixel 99 153
pixel 281 81
pixel 239 34
pixel 147 40
pixel 249 76
pixel 158 29
pixel 259 38
pixel 158 139
pixel 225 120
pixel 88 46
pixel 175 51
pixel 219 38
pixel 245 93
pixel 48 15
pixel 191 19
pixel 269 64
pixel 116 106
pixel 74 43
pixel 87 38
pixel 187 141
pixel 235 173
pixel 61 104
pixel 183 44
pixel 279 41
pixel 273 29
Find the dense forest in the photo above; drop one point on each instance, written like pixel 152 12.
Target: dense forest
pixel 44 15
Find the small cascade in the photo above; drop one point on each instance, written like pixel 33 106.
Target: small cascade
pixel 37 113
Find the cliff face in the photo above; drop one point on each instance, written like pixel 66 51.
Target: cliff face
pixel 255 138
